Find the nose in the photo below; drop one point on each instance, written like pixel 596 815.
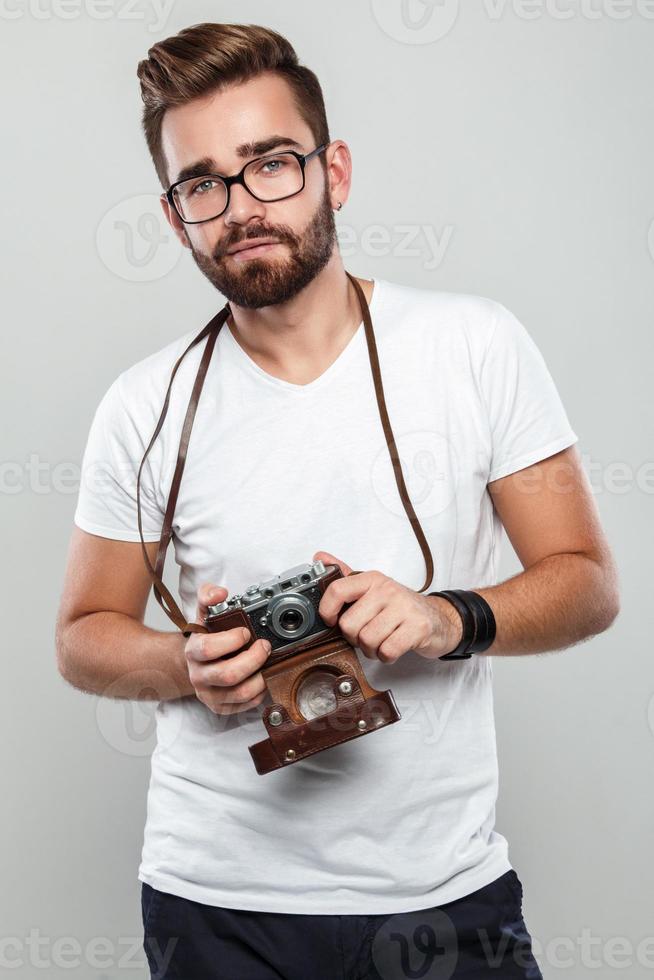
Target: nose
pixel 242 207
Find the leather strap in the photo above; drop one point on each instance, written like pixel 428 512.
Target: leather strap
pixel 390 439
pixel 162 595
pixel 210 331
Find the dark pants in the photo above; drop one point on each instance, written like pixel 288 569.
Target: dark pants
pixel 481 935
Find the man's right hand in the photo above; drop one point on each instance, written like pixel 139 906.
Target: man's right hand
pixel 225 686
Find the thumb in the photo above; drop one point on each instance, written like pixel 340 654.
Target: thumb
pixel 209 595
pixel 329 559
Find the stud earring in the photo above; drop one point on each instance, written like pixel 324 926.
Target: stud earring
pixel 340 205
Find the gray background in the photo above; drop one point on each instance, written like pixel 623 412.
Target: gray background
pixel 525 137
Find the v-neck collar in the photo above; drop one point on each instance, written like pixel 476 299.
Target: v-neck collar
pixel 357 338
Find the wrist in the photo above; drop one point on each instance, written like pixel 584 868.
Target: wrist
pixel 449 631
pixel 477 621
pixel 180 674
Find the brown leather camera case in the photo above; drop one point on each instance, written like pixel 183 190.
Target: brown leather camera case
pixel 360 709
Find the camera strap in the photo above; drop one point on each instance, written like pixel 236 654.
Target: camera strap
pixel 210 333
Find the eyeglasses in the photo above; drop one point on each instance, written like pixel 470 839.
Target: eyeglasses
pixel 273 177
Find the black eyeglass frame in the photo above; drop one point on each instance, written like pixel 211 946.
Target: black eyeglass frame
pixel 302 159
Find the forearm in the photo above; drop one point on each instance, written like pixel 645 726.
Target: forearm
pixel 113 655
pixel 556 603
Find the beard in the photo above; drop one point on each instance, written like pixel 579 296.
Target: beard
pixel 267 282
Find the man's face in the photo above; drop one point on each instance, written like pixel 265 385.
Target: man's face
pixel 215 127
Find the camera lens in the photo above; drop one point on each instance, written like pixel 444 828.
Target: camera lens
pixel 290 616
pixel 290 620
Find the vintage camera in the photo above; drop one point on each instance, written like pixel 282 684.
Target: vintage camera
pixel 319 691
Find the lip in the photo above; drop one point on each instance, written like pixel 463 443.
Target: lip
pixel 252 248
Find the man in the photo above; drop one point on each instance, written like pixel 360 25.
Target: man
pixel 380 853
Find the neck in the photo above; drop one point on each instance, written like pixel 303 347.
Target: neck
pixel 298 340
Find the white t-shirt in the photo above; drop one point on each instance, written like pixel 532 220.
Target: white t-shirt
pixel 403 818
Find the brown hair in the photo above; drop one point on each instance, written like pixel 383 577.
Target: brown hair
pixel 206 57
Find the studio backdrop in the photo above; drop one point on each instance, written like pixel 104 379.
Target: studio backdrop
pixel 503 149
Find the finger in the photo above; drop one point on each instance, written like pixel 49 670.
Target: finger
pixel 376 631
pixel 224 708
pixel 232 709
pixel 328 559
pixel 343 590
pixel 229 673
pixel 353 619
pixel 249 689
pixel 203 647
pixel 208 595
pixel 396 645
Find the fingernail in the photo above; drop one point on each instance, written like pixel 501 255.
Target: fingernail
pixel 267 646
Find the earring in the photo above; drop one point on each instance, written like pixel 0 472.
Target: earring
pixel 340 205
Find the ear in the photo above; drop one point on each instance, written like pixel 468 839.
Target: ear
pixel 328 559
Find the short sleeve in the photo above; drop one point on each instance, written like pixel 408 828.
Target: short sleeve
pixel 526 416
pixel 106 503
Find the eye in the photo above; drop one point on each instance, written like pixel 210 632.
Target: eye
pixel 207 184
pixel 273 167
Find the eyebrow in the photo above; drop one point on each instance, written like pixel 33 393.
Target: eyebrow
pixel 207 165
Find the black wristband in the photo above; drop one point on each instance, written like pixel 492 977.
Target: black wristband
pixel 483 613
pixel 477 619
pixel 462 651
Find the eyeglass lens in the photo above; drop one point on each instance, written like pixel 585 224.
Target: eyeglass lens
pixel 269 179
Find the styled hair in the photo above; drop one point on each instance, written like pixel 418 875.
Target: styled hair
pixel 206 57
